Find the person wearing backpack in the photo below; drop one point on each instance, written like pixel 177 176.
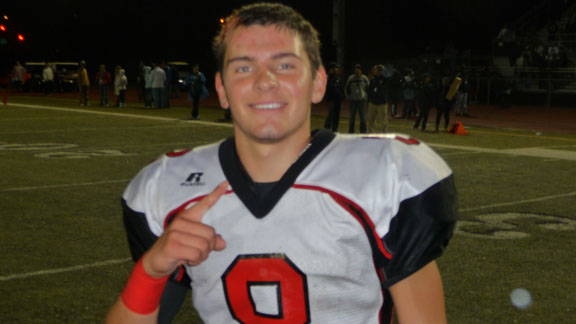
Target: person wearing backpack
pixel 356 87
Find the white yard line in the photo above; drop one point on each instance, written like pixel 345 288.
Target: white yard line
pixel 105 113
pixel 61 270
pixel 530 151
pixel 65 185
pixel 570 194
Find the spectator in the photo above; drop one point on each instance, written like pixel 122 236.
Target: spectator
pixel 120 86
pixel 103 79
pixel 157 81
pixel 394 92
pixel 167 84
pixel 196 84
pixel 18 75
pixel 462 97
pixel 377 106
pixel 427 98
pixel 334 97
pixel 355 91
pixel 141 82
pixel 409 92
pixel 147 71
pixel 48 79
pixel 445 101
pixel 83 83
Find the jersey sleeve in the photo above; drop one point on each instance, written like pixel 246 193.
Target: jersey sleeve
pixel 426 214
pixel 139 220
pixel 420 231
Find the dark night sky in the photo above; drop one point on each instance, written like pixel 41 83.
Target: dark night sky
pixel 123 31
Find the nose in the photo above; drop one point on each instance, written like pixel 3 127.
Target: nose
pixel 266 80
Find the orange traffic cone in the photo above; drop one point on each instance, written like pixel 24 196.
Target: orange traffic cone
pixel 458 129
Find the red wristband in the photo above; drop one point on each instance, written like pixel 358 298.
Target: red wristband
pixel 143 292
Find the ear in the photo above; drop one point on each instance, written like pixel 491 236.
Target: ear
pixel 219 83
pixel 319 85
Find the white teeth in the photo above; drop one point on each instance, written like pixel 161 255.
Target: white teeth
pixel 268 106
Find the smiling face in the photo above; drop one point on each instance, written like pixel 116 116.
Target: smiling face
pixel 268 83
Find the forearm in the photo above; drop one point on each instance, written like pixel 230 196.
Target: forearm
pixel 120 314
pixel 419 299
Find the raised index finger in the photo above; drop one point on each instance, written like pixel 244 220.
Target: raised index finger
pixel 196 212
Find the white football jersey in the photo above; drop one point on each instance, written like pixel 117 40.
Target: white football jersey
pixel 351 217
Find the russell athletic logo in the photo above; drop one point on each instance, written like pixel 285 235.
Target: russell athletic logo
pixel 194 179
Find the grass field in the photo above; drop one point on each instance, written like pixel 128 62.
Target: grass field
pixel 65 258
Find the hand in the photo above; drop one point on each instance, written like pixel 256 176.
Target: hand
pixel 186 240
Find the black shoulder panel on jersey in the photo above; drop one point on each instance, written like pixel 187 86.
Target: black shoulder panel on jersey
pixel 421 230
pixel 140 239
pixel 243 185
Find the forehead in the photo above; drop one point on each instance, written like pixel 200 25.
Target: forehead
pixel 260 41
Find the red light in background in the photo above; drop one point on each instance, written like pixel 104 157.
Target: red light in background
pixel 221 20
pixel 2 28
pixel 20 37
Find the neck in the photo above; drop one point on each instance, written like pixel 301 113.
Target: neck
pixel 268 162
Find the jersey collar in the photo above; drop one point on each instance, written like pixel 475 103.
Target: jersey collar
pixel 245 188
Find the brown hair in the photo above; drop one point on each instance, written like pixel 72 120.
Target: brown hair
pixel 267 14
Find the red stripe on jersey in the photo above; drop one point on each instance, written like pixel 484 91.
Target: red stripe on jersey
pixel 344 202
pixel 365 219
pixel 178 153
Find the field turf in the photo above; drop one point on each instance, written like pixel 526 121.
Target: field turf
pixel 65 258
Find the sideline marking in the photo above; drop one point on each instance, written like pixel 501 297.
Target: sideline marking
pixel 65 185
pixel 61 270
pixel 199 122
pixel 531 151
pixel 517 202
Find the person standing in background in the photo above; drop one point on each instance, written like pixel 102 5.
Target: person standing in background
pixel 48 79
pixel 196 82
pixel 18 75
pixel 377 105
pixel 83 83
pixel 355 90
pixel 103 79
pixel 120 86
pixel 334 97
pixel 157 81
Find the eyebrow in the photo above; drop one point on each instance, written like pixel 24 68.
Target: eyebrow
pixel 274 57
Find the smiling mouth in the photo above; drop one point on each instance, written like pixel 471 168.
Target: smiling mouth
pixel 268 106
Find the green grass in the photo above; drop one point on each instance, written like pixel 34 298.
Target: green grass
pixel 60 209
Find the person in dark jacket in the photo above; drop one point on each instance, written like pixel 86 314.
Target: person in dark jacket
pixel 334 97
pixel 377 106
pixel 427 95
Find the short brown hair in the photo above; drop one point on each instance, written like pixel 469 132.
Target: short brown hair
pixel 267 14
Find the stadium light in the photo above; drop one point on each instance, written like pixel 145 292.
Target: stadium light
pixel 3 28
pixel 5 17
pixel 21 37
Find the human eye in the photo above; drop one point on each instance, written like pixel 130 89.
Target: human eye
pixel 243 69
pixel 286 66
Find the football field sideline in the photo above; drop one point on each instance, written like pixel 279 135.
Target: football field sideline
pixel 542 152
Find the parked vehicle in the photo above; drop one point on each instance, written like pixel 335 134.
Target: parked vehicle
pixel 65 76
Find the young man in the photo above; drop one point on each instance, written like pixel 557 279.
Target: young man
pixel 356 92
pixel 295 231
pixel 334 97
